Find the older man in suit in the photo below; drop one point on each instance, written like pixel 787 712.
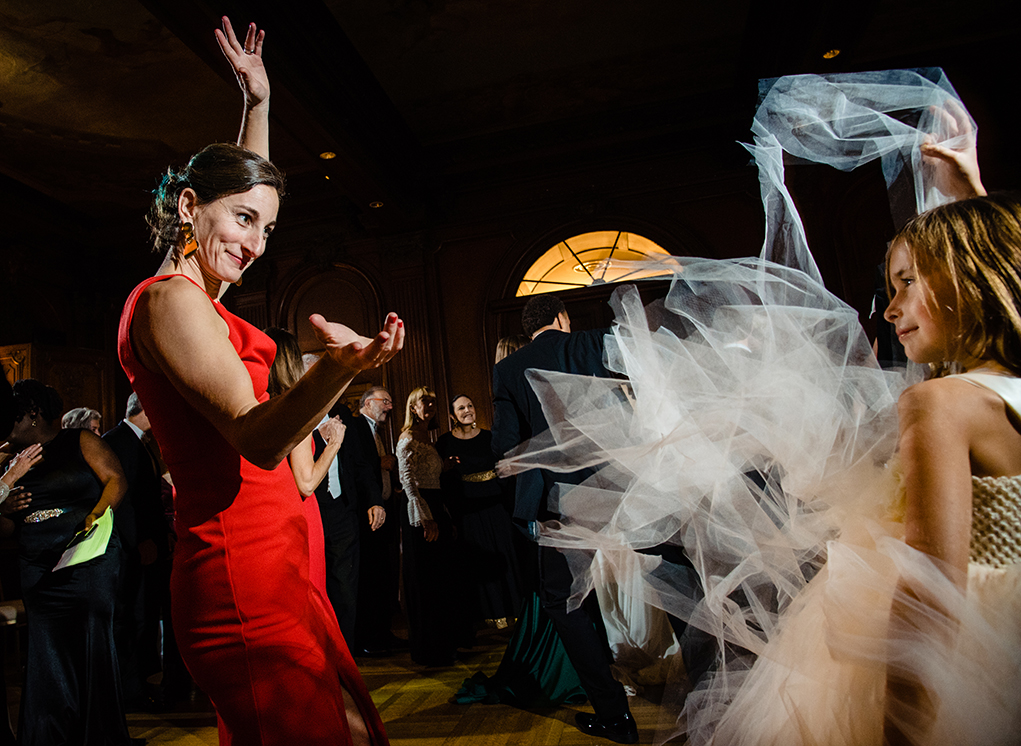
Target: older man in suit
pixel 380 562
pixel 518 417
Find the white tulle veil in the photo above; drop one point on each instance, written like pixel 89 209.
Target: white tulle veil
pixel 751 423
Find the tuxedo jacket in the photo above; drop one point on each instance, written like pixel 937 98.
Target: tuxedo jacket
pixel 360 431
pixel 141 514
pixel 360 483
pixel 518 415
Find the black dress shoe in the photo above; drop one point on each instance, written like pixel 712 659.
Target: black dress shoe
pixel 618 730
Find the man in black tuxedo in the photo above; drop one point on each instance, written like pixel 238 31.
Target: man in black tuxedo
pixel 518 417
pixel 145 536
pixel 349 503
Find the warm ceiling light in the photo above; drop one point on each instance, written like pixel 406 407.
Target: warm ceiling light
pixel 830 54
pixel 327 155
pixel 327 177
pixel 375 205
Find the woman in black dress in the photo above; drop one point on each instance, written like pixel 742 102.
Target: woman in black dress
pixel 480 508
pixel 72 686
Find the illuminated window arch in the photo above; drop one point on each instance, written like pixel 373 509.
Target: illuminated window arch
pixel 589 259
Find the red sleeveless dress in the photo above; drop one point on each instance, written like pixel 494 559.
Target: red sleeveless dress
pixel 256 635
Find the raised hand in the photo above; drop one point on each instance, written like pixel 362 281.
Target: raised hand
pixel 355 352
pixel 954 169
pixel 246 60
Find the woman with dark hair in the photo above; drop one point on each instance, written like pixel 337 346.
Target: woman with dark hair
pixel 427 538
pixel 479 504
pixel 254 633
pixel 72 686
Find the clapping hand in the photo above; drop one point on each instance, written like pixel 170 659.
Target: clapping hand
pixel 246 60
pixel 333 430
pixel 354 351
pixel 22 462
pixel 955 170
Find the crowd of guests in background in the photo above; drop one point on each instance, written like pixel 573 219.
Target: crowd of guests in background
pixel 389 505
pixel 295 530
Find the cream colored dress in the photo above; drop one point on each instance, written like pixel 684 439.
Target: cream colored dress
pixel 822 678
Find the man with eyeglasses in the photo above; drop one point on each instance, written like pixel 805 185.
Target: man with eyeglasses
pixel 379 565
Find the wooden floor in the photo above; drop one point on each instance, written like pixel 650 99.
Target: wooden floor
pixel 414 703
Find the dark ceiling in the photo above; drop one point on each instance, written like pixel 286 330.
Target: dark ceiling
pixel 421 98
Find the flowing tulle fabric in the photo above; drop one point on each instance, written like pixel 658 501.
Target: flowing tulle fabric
pixel 755 429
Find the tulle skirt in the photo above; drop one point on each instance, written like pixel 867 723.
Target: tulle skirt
pixel 753 428
pixel 822 679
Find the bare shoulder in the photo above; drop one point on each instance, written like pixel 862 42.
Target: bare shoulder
pixel 175 293
pixel 169 314
pixel 945 397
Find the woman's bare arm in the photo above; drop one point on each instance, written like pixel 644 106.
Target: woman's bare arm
pixel 310 471
pixel 935 451
pixel 176 331
pixel 935 447
pixel 107 468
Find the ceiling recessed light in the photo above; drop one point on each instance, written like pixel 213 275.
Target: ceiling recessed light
pixel 830 54
pixel 375 205
pixel 327 155
pixel 326 177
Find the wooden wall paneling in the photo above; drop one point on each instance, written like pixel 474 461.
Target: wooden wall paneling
pixel 341 293
pixel 83 378
pixel 414 365
pixel 464 274
pixel 252 307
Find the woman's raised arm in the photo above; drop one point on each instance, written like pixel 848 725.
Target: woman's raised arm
pixel 246 60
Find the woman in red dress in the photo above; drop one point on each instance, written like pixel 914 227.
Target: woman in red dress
pixel 255 634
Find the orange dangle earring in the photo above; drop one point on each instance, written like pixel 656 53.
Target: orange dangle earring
pixel 188 238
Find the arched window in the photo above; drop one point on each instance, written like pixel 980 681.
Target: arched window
pixel 589 259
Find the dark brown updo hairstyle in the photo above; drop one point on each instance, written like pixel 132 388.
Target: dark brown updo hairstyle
pixel 35 397
pixel 218 170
